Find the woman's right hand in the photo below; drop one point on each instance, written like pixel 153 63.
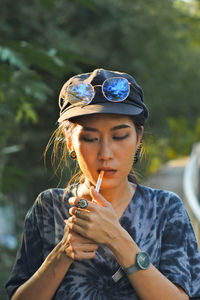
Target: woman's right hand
pixel 43 284
pixel 76 246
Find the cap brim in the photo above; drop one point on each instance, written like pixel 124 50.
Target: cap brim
pixel 106 108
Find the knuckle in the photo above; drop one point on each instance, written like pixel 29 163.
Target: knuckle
pixel 86 233
pixel 90 217
pixel 96 208
pixel 88 227
pixel 71 238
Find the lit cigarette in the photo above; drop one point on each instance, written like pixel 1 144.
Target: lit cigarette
pixel 98 185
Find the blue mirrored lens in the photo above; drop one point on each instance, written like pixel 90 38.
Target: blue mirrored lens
pixel 116 89
pixel 82 92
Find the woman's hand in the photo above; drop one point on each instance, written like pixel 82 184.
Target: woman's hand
pixel 97 222
pixel 76 246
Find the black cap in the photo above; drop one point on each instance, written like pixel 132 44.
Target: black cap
pixel 133 105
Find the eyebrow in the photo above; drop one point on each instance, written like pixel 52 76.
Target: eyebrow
pixel 86 128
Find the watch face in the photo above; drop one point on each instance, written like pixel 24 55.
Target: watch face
pixel 143 260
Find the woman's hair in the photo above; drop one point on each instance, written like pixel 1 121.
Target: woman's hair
pixel 59 157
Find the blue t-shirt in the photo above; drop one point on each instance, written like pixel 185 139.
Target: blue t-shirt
pixel 156 220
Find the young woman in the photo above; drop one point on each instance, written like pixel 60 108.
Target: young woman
pixel 126 241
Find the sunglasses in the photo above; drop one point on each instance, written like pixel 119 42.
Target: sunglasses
pixel 114 89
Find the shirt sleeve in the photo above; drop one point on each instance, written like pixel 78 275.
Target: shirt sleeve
pixel 180 256
pixel 29 256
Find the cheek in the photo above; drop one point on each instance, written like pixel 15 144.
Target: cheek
pixel 85 155
pixel 85 158
pixel 127 155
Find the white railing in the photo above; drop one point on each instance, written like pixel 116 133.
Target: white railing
pixel 191 187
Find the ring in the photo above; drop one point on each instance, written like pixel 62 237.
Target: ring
pixel 82 203
pixel 77 213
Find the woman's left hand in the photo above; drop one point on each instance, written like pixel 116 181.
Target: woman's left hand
pixel 97 222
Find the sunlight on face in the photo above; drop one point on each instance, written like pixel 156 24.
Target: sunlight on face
pixel 105 142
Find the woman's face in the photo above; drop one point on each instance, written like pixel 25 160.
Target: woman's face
pixel 105 142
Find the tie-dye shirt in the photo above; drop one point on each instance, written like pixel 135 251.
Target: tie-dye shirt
pixel 156 220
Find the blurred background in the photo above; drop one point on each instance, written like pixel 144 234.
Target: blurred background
pixel 44 42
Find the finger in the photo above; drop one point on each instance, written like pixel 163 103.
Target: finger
pixel 84 212
pixel 73 236
pixel 84 255
pixel 72 200
pixel 79 254
pixel 74 220
pixel 88 247
pixel 79 202
pixel 80 229
pixel 98 198
pixel 79 213
pixel 82 203
pixel 66 228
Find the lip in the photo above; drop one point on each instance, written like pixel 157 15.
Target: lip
pixel 108 171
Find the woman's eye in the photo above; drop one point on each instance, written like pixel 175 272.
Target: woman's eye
pixel 120 137
pixel 90 140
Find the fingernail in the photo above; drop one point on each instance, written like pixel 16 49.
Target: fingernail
pixel 70 211
pixel 93 189
pixel 71 200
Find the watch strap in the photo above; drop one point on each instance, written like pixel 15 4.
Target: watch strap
pixel 132 269
pixel 137 266
pixel 128 271
pixel 118 275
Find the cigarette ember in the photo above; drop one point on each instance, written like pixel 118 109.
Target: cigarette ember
pixel 98 185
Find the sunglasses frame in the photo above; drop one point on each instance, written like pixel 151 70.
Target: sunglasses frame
pixel 94 92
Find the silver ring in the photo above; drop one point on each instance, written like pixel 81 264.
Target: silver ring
pixel 82 203
pixel 77 213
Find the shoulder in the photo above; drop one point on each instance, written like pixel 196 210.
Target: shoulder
pixel 165 201
pixel 49 201
pixel 53 196
pixel 49 195
pixel 158 193
pixel 44 199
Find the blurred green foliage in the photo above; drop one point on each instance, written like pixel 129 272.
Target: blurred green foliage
pixel 44 42
pixel 177 142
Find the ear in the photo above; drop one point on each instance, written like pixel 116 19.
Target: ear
pixel 69 144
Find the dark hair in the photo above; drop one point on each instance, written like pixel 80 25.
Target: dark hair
pixel 60 151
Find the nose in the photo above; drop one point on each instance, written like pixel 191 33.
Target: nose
pixel 105 151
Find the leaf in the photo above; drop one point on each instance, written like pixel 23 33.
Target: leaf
pixel 48 4
pixel 12 178
pixel 24 55
pixel 87 3
pixel 14 58
pixel 41 58
pixel 2 97
pixel 33 85
pixel 26 112
pixel 6 72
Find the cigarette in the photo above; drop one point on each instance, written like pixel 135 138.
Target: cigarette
pixel 98 185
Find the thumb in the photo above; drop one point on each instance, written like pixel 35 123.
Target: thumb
pixel 98 198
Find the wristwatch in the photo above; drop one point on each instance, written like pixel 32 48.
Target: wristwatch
pixel 142 263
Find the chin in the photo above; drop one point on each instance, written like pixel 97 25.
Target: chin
pixel 108 185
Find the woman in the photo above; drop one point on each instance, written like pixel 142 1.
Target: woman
pixel 124 242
